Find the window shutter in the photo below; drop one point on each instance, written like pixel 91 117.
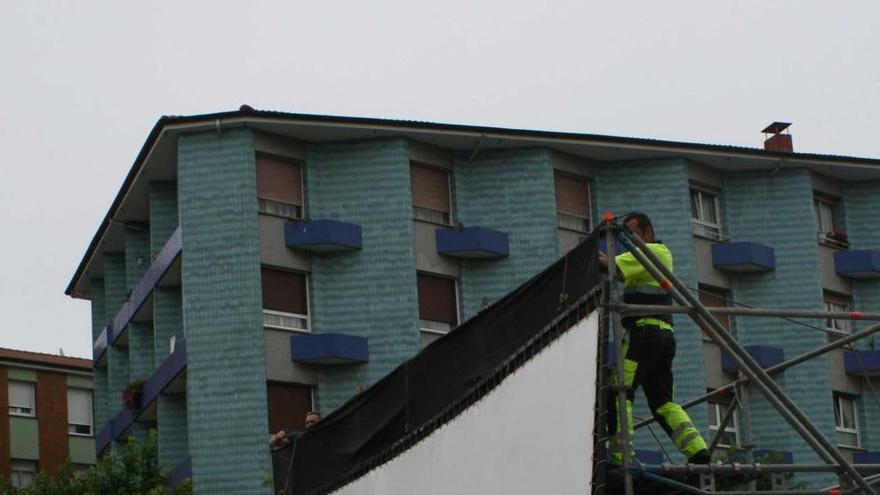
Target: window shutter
pixel 430 188
pixel 437 299
pixel 21 394
pixel 572 196
pixel 279 180
pixel 79 407
pixel 288 404
pixel 284 291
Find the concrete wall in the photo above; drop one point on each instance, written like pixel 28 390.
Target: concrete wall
pixel 226 359
pixel 370 292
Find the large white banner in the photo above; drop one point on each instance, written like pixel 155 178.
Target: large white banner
pixel 532 434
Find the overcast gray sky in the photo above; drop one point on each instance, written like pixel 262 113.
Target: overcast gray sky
pixel 83 82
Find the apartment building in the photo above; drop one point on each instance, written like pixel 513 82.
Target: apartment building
pixel 255 265
pixel 46 414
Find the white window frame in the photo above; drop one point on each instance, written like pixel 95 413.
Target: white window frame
pixel 71 427
pixel 822 204
pixel 19 467
pixel 716 416
pixel 284 314
pixel 703 227
pixel 441 328
pixel 840 400
pixel 23 410
pixel 842 327
pixel 428 215
pixel 574 223
pixel 279 209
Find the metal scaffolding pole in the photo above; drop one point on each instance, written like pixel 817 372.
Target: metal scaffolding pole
pixel 771 390
pixel 752 468
pixel 776 368
pixel 637 309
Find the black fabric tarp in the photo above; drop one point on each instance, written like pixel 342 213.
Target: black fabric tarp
pixel 366 427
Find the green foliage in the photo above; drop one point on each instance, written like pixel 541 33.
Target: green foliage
pixel 134 471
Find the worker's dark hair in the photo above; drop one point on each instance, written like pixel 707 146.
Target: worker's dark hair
pixel 313 413
pixel 641 219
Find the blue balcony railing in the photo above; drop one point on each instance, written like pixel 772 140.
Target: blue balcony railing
pixel 322 235
pixel 181 473
pixel 743 257
pixel 862 363
pixel 472 242
pixel 863 263
pixel 329 348
pixel 99 348
pixel 766 356
pixel 103 438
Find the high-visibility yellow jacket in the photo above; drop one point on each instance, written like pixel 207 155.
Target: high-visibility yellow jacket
pixel 639 287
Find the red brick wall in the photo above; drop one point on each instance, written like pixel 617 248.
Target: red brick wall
pixel 52 420
pixel 4 423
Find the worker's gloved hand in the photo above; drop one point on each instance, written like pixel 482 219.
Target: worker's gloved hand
pixel 279 440
pixel 603 259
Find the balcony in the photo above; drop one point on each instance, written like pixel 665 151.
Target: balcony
pixel 766 357
pixel 322 236
pixel 859 264
pixel 169 371
pixel 862 363
pixel 329 349
pixel 743 257
pixel 139 305
pixel 866 457
pixel 472 242
pixel 99 348
pixel 103 438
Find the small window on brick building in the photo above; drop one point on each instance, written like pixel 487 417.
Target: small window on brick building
pixel 831 231
pixel 23 473
pixel 79 411
pixel 573 202
pixel 846 420
pixel 718 298
pixel 285 300
pixel 706 213
pixel 288 404
pixel 837 303
pixel 430 194
pixel 438 307
pixel 279 187
pixel 22 399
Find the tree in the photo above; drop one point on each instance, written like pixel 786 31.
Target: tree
pixel 133 471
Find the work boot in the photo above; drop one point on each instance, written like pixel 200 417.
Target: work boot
pixel 701 457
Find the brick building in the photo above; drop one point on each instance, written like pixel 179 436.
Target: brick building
pixel 45 414
pixel 258 264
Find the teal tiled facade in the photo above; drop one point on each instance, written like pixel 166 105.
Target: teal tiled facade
pixel 370 292
pixel 523 208
pixel 214 304
pixel 226 372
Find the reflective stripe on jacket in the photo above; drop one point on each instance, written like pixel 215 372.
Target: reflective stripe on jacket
pixel 639 287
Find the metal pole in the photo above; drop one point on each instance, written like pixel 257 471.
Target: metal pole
pixel 771 390
pixel 636 309
pixel 728 416
pixel 753 468
pixel 776 368
pixel 742 395
pixel 622 418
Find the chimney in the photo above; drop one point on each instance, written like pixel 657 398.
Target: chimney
pixel 776 140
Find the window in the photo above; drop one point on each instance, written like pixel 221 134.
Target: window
pixel 714 297
pixel 730 435
pixel 438 307
pixel 827 215
pixel 846 420
pixel 79 411
pixel 430 194
pixel 285 300
pixel 837 303
pixel 573 202
pixel 288 404
pixel 279 187
pixel 21 399
pixel 23 473
pixel 705 214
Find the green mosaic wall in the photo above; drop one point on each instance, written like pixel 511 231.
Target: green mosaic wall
pixel 116 293
pixel 163 213
pixel 511 191
pixel 99 321
pixel 226 372
pixel 371 292
pixel 660 189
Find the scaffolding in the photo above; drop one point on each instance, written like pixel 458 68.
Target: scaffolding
pixel 853 478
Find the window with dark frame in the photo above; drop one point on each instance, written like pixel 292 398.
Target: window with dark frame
pixel 438 306
pixel 837 303
pixel 430 194
pixel 846 420
pixel 279 187
pixel 573 202
pixel 288 404
pixel 714 297
pixel 706 213
pixel 285 299
pixel 830 228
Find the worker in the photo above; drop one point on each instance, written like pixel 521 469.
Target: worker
pixel 283 438
pixel 649 347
